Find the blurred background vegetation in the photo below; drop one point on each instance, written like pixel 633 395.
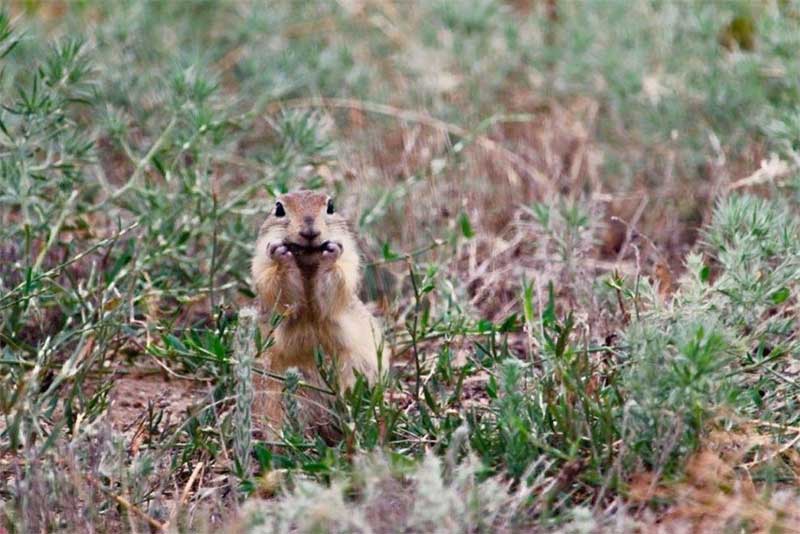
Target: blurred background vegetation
pixel 580 226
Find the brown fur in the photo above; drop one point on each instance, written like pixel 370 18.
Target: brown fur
pixel 312 282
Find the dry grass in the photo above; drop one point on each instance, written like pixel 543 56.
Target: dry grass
pixel 581 241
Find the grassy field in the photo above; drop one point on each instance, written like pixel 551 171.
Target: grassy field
pixel 581 228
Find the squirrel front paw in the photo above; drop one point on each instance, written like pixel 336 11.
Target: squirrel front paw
pixel 280 253
pixel 331 250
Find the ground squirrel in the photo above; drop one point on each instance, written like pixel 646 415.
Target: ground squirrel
pixel 306 269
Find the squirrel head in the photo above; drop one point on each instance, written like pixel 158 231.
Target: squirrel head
pixel 307 223
pixel 304 219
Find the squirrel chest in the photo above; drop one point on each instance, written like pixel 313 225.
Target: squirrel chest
pixel 306 270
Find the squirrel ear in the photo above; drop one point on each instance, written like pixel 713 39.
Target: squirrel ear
pixel 279 211
pixel 331 209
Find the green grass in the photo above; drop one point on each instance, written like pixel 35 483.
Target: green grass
pixel 520 181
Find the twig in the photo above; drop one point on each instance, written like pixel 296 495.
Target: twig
pixel 54 230
pixel 414 333
pixel 774 455
pixel 212 272
pixel 282 378
pixel 770 424
pixel 21 363
pixel 144 161
pixel 263 372
pixel 187 488
pixel 409 255
pixel 631 227
pixel 625 315
pixel 129 506
pixel 767 172
pixel 69 262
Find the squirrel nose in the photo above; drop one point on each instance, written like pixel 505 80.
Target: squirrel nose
pixel 309 233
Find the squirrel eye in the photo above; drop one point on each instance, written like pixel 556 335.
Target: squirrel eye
pixel 331 209
pixel 279 211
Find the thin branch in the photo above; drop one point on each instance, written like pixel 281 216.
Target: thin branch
pixel 69 262
pixel 129 506
pixel 143 162
pixel 418 370
pixel 775 454
pixel 409 255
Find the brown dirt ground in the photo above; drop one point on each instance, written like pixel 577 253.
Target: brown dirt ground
pixel 132 397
